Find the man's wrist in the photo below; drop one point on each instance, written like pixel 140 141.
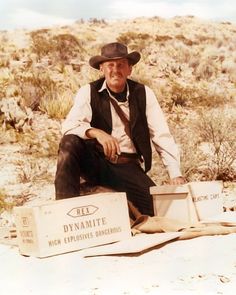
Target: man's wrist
pixel 91 132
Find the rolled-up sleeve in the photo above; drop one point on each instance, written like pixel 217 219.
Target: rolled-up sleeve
pixel 161 137
pixel 79 117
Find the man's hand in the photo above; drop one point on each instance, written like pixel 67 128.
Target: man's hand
pixel 109 143
pixel 177 180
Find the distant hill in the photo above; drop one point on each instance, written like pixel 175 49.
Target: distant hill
pixel 186 60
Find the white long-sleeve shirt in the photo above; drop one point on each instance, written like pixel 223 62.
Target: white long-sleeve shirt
pixel 78 121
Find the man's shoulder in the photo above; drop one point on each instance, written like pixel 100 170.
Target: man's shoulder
pixel 83 89
pixel 97 83
pixel 136 86
pixel 134 83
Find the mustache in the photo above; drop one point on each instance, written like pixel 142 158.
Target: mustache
pixel 117 75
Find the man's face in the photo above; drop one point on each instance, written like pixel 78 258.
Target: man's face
pixel 116 72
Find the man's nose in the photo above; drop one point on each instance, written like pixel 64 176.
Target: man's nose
pixel 116 67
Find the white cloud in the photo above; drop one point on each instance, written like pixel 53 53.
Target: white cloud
pixel 28 19
pixel 132 8
pixel 31 14
pixel 203 9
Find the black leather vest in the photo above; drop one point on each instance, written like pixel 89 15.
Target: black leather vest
pixel 101 116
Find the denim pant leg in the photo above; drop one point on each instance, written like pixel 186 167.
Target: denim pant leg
pixel 131 178
pixel 81 158
pixel 75 160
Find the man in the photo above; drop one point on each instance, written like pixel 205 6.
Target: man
pixel 105 143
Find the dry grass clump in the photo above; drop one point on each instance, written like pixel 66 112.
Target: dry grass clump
pixel 34 170
pixel 57 108
pixel 44 144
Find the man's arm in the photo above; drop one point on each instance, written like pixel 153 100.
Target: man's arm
pixel 162 139
pixel 78 121
pixel 109 143
pixel 79 117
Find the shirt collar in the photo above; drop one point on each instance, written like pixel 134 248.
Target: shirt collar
pixel 104 86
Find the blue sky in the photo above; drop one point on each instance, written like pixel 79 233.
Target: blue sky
pixel 31 14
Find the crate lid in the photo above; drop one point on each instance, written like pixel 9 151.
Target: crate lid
pixel 169 189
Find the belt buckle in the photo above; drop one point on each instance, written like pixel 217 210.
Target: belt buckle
pixel 114 160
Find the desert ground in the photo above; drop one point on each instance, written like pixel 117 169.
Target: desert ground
pixel 190 64
pixel 204 265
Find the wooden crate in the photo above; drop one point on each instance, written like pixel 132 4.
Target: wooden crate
pixel 175 202
pixel 207 198
pixel 72 224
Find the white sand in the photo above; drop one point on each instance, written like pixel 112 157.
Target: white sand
pixel 204 265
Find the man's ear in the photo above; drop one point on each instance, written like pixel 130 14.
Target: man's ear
pixel 130 69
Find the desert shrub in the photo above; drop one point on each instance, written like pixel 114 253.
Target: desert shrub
pixel 60 48
pixel 4 61
pixel 5 203
pixel 163 38
pixel 97 21
pixel 6 80
pixel 40 143
pixel 13 114
pixel 228 67
pixel 207 143
pixel 176 93
pixel 193 95
pixel 205 70
pixel 34 170
pixel 185 40
pixel 210 63
pixel 180 94
pixel 41 44
pixel 130 36
pixel 210 95
pixel 205 39
pixel 135 41
pixel 158 172
pixel 192 157
pixel 216 129
pixel 33 86
pixel 66 47
pixel 139 74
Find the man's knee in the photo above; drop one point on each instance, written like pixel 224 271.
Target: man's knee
pixel 70 142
